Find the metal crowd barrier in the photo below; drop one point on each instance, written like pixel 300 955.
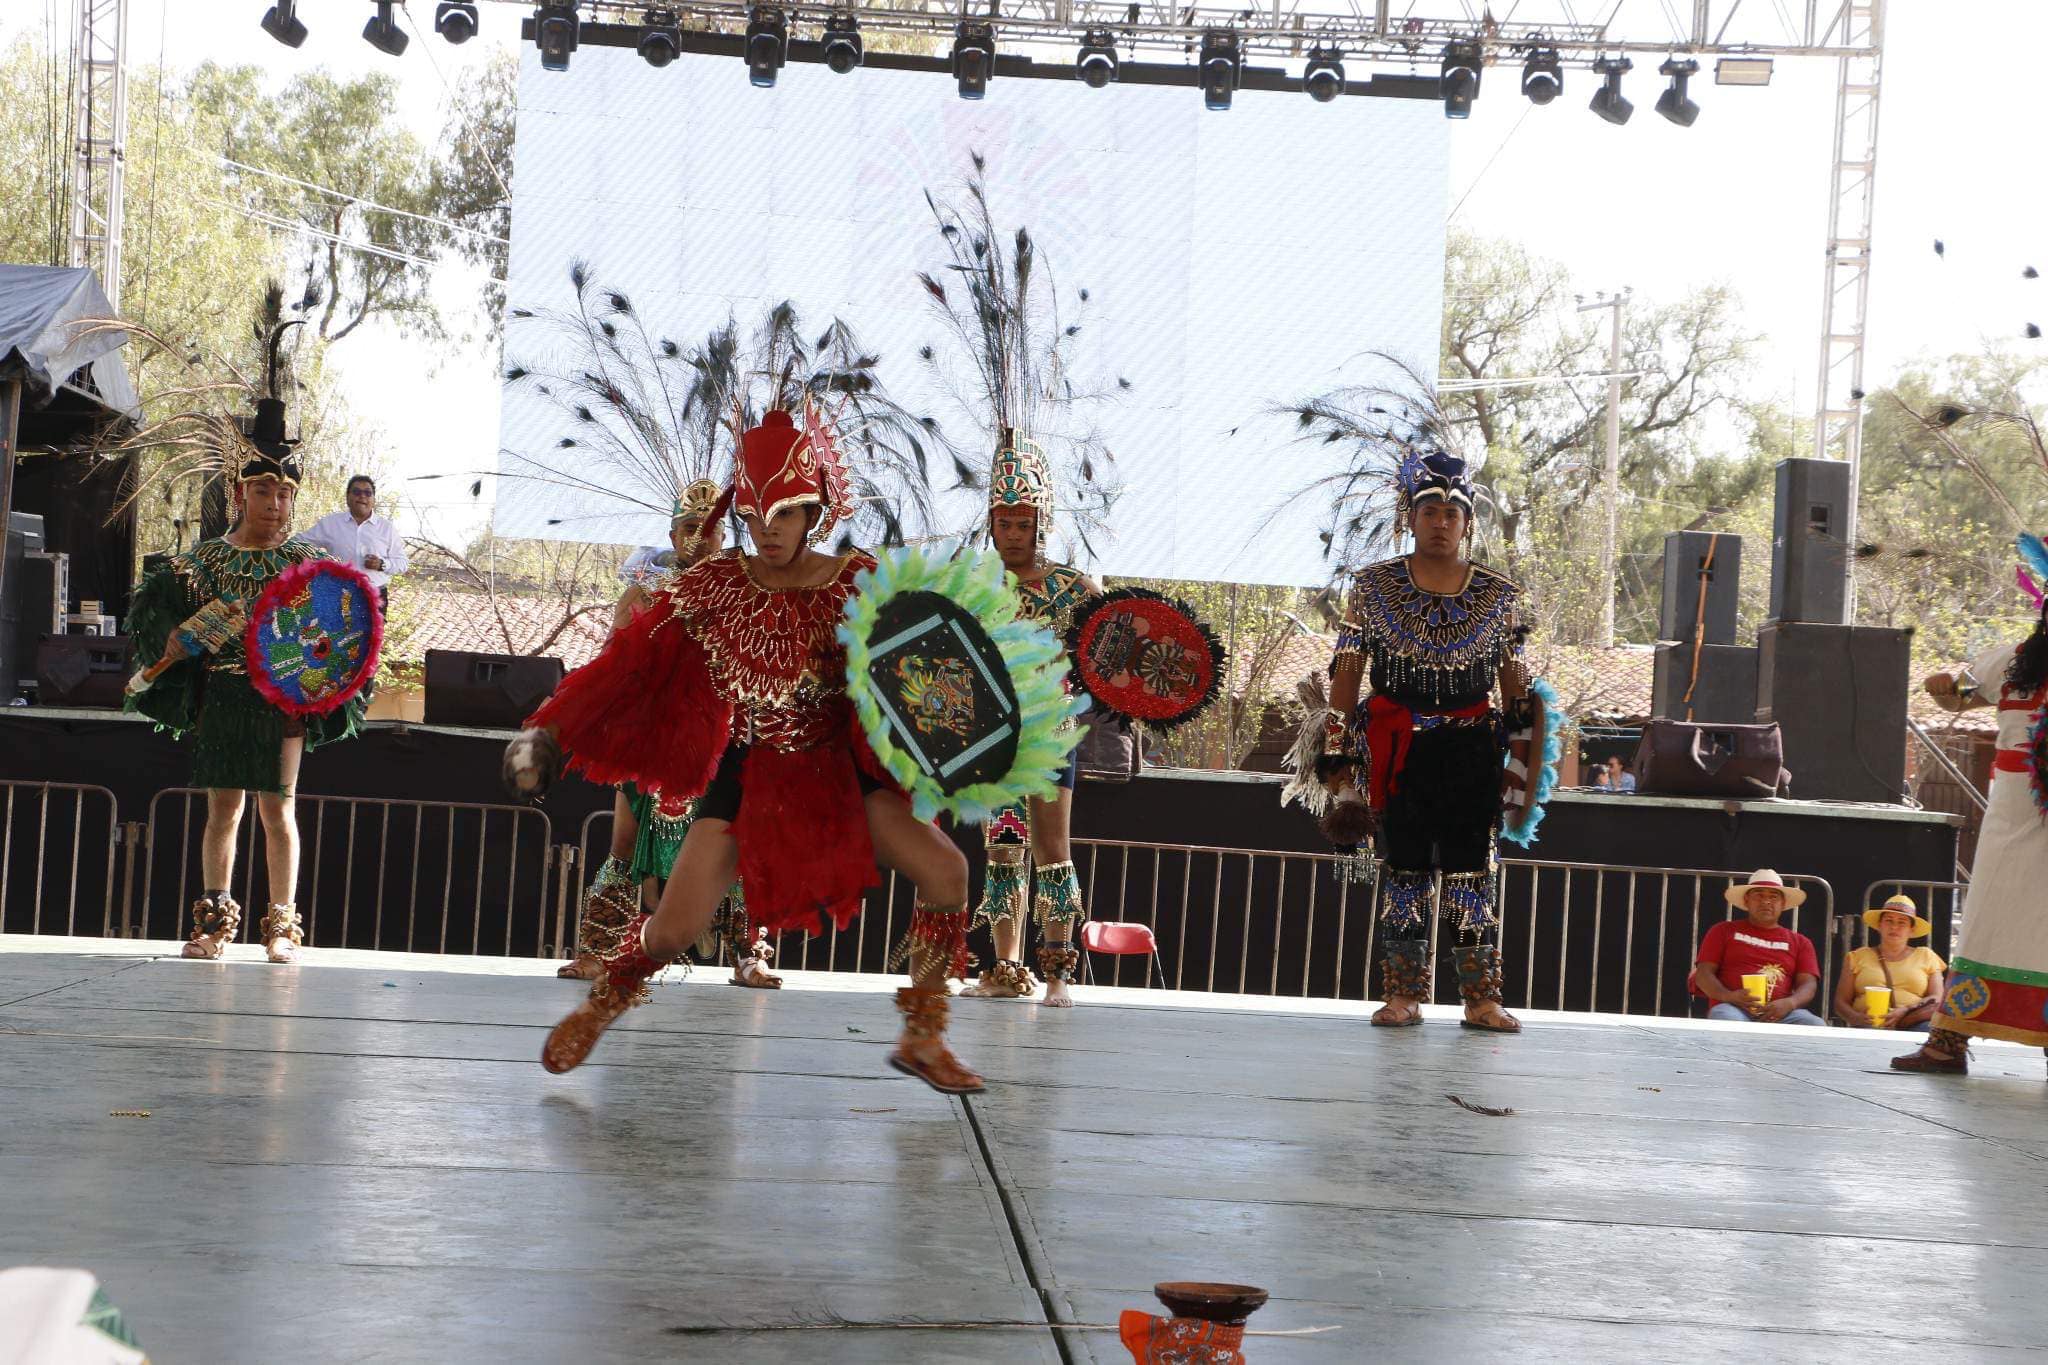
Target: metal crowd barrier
pixel 81 826
pixel 429 876
pixel 410 876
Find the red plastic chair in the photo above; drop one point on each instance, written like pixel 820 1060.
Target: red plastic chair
pixel 1122 938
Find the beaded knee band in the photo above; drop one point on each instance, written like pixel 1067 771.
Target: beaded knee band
pixel 1405 900
pixel 937 939
pixel 1056 897
pixel 1003 885
pixel 610 903
pixel 1468 900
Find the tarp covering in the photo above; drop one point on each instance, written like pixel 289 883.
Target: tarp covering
pixel 44 338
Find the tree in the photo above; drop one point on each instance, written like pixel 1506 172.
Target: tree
pixel 472 181
pixel 1508 315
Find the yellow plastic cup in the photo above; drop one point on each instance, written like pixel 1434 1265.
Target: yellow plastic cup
pixel 1758 985
pixel 1877 1003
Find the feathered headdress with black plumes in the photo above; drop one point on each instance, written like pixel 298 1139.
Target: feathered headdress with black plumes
pixel 1391 444
pixel 1008 358
pixel 648 422
pixel 206 435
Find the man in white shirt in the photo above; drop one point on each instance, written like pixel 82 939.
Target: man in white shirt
pixel 360 537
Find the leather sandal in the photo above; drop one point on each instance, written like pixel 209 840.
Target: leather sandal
pixel 924 1022
pixel 1499 1022
pixel 1386 1017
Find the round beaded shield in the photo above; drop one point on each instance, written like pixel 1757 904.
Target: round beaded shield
pixel 1146 657
pixel 313 638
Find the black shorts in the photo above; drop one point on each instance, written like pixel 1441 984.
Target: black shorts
pixel 1070 774
pixel 721 800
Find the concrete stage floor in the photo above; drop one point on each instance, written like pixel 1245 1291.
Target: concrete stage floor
pixel 360 1160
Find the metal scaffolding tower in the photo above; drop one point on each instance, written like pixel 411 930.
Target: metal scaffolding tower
pixel 1838 401
pixel 99 120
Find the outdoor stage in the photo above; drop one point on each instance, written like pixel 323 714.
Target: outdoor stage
pixel 359 1158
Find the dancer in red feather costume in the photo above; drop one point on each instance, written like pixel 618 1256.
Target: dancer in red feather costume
pixel 732 684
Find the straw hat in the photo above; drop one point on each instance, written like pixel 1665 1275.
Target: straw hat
pixel 1764 879
pixel 1900 905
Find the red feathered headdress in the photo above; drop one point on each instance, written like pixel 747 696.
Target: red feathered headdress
pixel 780 466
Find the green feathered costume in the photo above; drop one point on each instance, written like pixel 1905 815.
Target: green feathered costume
pixel 238 737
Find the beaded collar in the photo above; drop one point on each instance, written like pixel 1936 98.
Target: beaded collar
pixel 1397 619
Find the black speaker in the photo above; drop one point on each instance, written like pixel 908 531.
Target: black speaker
pixel 35 593
pixel 1689 557
pixel 83 670
pixel 1810 544
pixel 1723 692
pixel 1839 695
pixel 487 691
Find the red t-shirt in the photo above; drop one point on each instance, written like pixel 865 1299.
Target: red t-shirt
pixel 1738 948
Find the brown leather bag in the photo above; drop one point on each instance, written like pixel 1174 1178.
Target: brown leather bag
pixel 1689 758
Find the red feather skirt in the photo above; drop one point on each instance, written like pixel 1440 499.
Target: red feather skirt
pixel 645 711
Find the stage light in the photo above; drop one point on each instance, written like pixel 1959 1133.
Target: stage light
pixel 1096 66
pixel 455 22
pixel 1324 77
pixel 1674 104
pixel 1607 101
pixel 974 59
pixel 1460 78
pixel 1742 71
pixel 383 32
pixel 767 42
pixel 842 42
pixel 660 39
pixel 284 24
pixel 1221 63
pixel 555 29
pixel 1543 76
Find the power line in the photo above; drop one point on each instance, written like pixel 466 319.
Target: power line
pixel 350 198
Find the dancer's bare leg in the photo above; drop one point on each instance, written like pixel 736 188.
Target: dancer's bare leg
pixel 1052 823
pixel 217 846
pixel 278 811
pixel 704 868
pixel 595 937
pixel 215 916
pixel 939 871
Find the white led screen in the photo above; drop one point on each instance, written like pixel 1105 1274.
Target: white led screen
pixel 1234 260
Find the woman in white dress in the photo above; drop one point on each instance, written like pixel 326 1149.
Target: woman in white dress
pixel 1998 976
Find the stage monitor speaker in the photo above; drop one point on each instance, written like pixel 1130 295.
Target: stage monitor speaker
pixel 487 691
pixel 1723 693
pixel 1839 695
pixel 83 670
pixel 35 589
pixel 1810 543
pixel 1690 556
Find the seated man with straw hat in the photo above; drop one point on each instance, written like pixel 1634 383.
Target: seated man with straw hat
pixel 1907 978
pixel 1755 970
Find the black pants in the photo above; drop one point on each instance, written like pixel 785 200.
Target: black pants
pixel 1445 807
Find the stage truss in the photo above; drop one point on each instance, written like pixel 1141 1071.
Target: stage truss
pixel 1383 31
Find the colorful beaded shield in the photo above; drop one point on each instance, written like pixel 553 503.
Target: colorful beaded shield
pixel 959 698
pixel 313 639
pixel 1146 657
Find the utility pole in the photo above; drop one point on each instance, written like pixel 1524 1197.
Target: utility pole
pixel 1612 480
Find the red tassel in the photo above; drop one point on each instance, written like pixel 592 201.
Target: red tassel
pixel 643 710
pixel 803 838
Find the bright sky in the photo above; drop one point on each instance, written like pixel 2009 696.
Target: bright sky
pixel 1740 197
